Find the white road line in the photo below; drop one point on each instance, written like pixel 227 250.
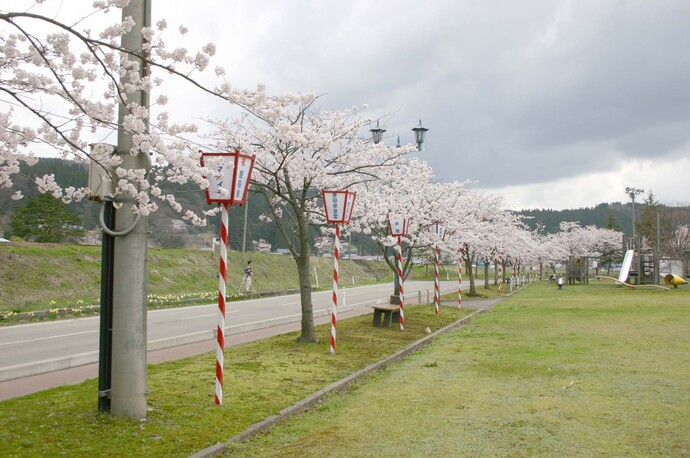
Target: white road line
pixel 199 316
pixel 47 338
pixel 227 312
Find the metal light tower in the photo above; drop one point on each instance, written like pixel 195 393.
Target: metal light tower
pixel 632 192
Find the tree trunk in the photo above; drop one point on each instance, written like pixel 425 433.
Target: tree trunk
pixel 303 265
pixel 486 274
pixel 393 266
pixel 541 269
pixel 473 288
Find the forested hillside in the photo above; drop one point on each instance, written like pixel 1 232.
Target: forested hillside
pixel 166 226
pixel 614 215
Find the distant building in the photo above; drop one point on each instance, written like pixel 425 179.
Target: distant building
pixel 262 246
pixel 346 249
pixel 324 247
pixel 178 225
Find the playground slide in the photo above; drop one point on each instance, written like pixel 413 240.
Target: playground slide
pixel 625 268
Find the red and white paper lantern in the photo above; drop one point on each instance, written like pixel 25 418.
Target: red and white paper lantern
pixel 338 205
pixel 228 184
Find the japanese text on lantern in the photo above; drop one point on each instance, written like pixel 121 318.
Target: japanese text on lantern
pixel 336 216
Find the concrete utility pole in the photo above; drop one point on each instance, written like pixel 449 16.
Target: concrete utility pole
pixel 128 389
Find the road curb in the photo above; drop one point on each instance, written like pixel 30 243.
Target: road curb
pixel 336 387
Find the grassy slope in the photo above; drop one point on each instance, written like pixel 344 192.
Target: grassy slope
pixel 587 371
pixel 41 276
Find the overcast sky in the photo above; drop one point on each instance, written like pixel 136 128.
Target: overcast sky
pixel 550 103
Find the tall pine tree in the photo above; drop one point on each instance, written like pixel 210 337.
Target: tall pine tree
pixel 45 219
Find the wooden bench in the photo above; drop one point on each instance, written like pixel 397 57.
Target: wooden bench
pixel 389 312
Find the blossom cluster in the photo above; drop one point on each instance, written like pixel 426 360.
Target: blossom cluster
pixel 64 88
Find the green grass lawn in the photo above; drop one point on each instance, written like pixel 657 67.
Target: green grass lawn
pixel 596 370
pixel 261 378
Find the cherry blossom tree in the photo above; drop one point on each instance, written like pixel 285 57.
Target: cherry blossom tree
pixel 61 81
pixel 408 191
pixel 398 192
pixel 575 240
pixel 300 151
pixel 483 229
pixel 523 249
pixel 678 243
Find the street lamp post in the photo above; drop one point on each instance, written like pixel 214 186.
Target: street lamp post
pixel 228 185
pixel 377 135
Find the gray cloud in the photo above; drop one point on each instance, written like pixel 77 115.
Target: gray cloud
pixel 515 93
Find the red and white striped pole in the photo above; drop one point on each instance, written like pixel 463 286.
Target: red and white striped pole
pixel 334 312
pixel 437 289
pixel 222 281
pixel 460 281
pixel 400 283
pixel 500 273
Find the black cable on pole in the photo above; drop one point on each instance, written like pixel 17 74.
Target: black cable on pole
pixel 106 323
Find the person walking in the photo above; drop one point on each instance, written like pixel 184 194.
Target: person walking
pixel 248 277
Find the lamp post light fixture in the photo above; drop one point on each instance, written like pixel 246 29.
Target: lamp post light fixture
pixel 419 134
pixel 398 226
pixel 338 205
pixel 227 186
pixel 377 133
pixel 632 192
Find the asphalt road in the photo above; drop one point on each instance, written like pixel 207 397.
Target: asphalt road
pixel 37 348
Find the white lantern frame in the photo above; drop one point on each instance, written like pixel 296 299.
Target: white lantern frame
pixel 439 229
pixel 235 165
pixel 338 205
pixel 398 225
pixel 235 168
